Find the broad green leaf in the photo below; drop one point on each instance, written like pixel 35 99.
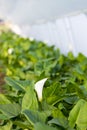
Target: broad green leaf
pixel 3 99
pixel 39 68
pixel 45 65
pixel 10 110
pixel 54 93
pixel 81 57
pixel 40 126
pixel 16 85
pixel 24 83
pixel 35 116
pixel 23 125
pixel 78 115
pixel 3 117
pixel 82 92
pixel 8 126
pixel 59 122
pixel 82 117
pixel 29 100
pixel 74 113
pixel 59 118
pixel 71 56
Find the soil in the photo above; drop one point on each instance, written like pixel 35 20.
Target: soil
pixel 2 82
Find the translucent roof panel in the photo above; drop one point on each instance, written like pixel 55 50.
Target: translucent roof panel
pixel 68 33
pixel 37 11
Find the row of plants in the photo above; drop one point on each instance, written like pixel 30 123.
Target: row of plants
pixel 43 89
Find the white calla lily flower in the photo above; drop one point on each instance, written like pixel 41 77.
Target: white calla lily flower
pixel 39 88
pixel 10 50
pixel 31 38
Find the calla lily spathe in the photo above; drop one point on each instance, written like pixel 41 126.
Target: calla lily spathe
pixel 10 50
pixel 39 88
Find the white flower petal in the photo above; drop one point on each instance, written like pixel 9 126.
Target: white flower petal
pixel 39 88
pixel 10 50
pixel 31 38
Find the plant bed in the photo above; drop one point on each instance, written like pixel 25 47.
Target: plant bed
pixel 44 89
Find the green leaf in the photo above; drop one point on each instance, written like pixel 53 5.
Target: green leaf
pixel 71 56
pixel 40 126
pixel 29 100
pixel 35 116
pixel 3 117
pixel 82 118
pixel 3 99
pixel 10 110
pixel 23 125
pixel 45 65
pixel 78 115
pixel 54 93
pixel 58 118
pixel 8 126
pixel 59 122
pixel 15 84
